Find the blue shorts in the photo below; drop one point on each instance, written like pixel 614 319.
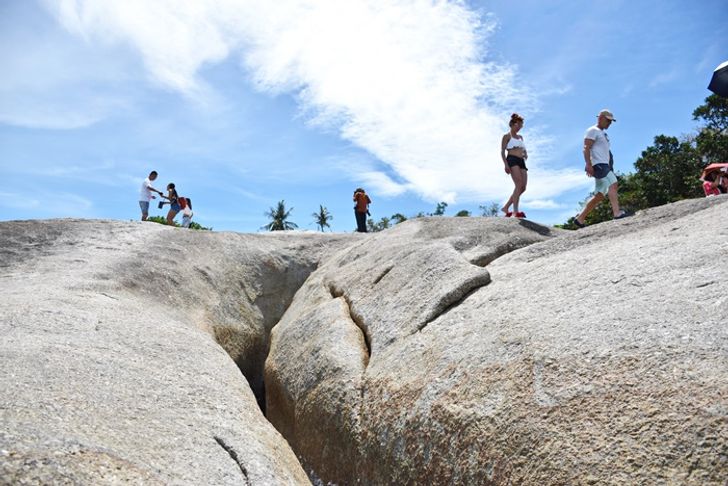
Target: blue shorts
pixel 145 206
pixel 175 207
pixel 602 185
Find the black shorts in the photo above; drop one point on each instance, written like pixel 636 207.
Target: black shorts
pixel 514 161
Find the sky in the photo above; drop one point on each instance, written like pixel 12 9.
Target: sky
pixel 245 103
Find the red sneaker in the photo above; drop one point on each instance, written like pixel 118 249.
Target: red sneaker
pixel 520 214
pixel 509 214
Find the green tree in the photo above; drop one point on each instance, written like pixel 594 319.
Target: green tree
pixel 668 171
pixel 463 213
pixel 158 219
pixel 440 209
pixel 382 224
pixel 399 218
pixel 279 218
pixel 490 211
pixel 322 217
pixel 193 225
pixel 712 139
pixel 197 226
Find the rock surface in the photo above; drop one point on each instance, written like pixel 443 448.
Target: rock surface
pixel 112 371
pixel 440 353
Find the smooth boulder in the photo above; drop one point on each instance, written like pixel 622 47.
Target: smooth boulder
pixel 589 357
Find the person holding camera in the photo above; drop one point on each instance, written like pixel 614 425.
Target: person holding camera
pixel 361 209
pixel 172 200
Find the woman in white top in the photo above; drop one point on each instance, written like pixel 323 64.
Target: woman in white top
pixel 514 155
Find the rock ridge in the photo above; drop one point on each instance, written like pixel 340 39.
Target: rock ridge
pixel 596 356
pixel 441 351
pixel 117 346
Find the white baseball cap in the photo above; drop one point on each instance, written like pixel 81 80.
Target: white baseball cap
pixel 607 114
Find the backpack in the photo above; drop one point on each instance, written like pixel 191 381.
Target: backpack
pixel 182 201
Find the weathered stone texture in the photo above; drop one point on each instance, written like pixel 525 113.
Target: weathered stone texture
pixel 593 357
pixel 111 373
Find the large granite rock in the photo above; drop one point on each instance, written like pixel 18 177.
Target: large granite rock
pixel 441 353
pixel 114 340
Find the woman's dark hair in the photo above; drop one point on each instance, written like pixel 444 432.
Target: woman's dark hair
pixel 170 185
pixel 358 189
pixel 515 118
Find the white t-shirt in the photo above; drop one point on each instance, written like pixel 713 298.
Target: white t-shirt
pixel 145 194
pixel 600 148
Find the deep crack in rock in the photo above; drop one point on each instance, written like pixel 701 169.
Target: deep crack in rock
pixel 456 297
pixel 234 455
pixel 357 320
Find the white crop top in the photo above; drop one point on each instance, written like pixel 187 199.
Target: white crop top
pixel 514 143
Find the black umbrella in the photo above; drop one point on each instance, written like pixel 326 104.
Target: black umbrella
pixel 719 83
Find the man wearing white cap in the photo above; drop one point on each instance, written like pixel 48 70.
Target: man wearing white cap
pixel 597 157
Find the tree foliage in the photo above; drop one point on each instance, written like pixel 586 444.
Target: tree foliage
pixel 193 225
pixel 382 224
pixel 712 139
pixel 668 171
pixel 279 218
pixel 322 217
pixel 490 210
pixel 440 209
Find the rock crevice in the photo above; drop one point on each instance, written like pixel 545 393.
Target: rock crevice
pixel 234 456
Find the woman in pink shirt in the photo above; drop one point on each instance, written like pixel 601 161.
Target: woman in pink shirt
pixel 713 184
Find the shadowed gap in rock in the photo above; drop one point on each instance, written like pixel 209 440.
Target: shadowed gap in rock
pixel 336 293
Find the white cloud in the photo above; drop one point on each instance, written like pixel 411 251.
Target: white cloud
pixel 664 78
pixel 543 204
pixel 407 80
pixel 51 83
pixel 381 183
pixel 64 204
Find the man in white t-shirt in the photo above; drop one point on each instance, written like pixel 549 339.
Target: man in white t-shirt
pixel 597 156
pixel 145 194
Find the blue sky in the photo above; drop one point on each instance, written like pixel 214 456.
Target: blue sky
pixel 244 103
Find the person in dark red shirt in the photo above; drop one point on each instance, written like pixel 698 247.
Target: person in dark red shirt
pixel 361 209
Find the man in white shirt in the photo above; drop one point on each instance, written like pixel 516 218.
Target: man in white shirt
pixel 145 194
pixel 597 156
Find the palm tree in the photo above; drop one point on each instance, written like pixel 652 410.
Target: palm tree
pixel 322 218
pixel 279 218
